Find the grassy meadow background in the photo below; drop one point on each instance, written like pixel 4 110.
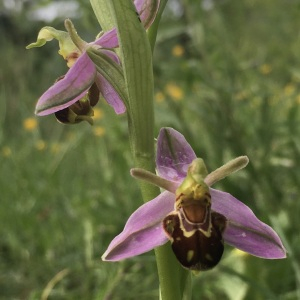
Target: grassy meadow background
pixel 227 75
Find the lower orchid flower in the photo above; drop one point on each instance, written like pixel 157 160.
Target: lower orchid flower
pixel 195 218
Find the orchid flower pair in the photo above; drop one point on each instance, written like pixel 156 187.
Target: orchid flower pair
pixel 73 95
pixel 193 216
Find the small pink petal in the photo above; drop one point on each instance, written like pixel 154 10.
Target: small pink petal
pixel 244 230
pixel 71 88
pixel 106 89
pixel 143 230
pixel 108 40
pixel 174 154
pixel 110 95
pixel 147 10
pixel 112 55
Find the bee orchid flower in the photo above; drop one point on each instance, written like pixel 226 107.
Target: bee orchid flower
pixel 194 217
pixel 73 95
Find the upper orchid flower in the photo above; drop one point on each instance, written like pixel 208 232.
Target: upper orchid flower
pixel 193 216
pixel 69 97
pixel 73 95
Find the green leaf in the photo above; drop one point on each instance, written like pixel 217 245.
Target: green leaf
pixel 152 31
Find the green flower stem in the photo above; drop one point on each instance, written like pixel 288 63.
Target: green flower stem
pixel 136 56
pixel 172 277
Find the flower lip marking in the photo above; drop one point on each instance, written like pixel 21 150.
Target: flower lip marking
pixel 156 222
pixel 193 249
pixel 195 204
pixel 194 231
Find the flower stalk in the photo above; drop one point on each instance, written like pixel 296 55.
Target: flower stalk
pixel 136 58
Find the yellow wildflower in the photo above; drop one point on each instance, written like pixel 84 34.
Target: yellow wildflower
pixel 40 145
pixel 99 131
pixel 174 91
pixel 265 69
pixel 30 124
pixel 289 89
pixel 6 151
pixel 177 51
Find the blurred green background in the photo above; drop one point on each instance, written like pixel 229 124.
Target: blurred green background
pixel 227 75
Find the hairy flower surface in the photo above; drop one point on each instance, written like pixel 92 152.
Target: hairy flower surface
pixel 235 223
